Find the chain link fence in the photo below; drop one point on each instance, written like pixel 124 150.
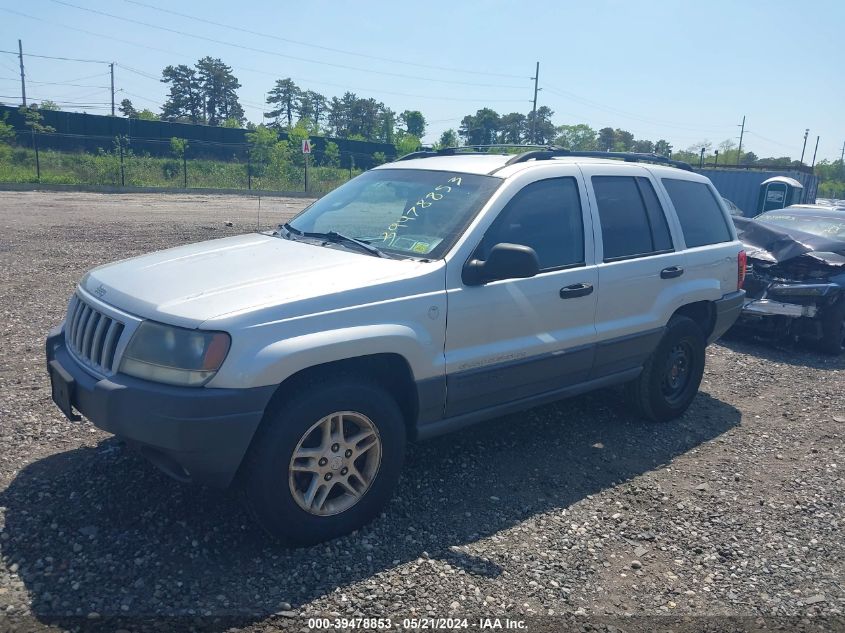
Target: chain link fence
pixel 190 165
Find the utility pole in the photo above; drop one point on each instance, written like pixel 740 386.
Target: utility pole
pixel 842 160
pixel 815 151
pixel 701 159
pixel 803 149
pixel 739 149
pixel 23 80
pixel 111 68
pixel 536 77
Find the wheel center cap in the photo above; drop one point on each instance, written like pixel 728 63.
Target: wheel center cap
pixel 336 463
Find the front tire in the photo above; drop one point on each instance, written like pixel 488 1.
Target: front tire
pixel 672 373
pixel 325 462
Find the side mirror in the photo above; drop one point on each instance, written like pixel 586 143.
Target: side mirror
pixel 506 261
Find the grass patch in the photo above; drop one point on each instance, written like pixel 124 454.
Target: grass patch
pixel 17 165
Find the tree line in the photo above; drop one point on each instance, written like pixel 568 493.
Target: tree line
pixel 206 93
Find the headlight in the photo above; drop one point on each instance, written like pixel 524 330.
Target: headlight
pixel 174 355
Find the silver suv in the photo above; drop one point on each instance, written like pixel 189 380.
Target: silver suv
pixel 423 296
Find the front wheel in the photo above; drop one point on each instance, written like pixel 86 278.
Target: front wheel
pixel 325 462
pixel 672 374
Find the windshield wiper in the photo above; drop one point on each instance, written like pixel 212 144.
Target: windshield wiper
pixel 336 238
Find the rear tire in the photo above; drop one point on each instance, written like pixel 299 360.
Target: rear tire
pixel 307 477
pixel 833 329
pixel 672 373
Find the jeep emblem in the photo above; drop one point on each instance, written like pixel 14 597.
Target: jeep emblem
pixel 100 290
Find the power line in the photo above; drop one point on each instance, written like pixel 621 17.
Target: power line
pixel 52 83
pixel 65 103
pixel 132 94
pixel 275 54
pixel 64 59
pixel 318 46
pixel 246 69
pixel 790 147
pixel 617 111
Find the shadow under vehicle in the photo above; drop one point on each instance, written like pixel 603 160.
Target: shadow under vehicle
pixel 95 530
pixel 795 281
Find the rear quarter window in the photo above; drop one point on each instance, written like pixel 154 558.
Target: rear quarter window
pixel 700 214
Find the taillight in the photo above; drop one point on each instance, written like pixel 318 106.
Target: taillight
pixel 741 263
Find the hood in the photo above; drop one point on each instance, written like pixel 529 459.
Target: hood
pixel 191 284
pixel 774 244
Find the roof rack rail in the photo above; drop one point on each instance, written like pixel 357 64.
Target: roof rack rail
pixel 467 149
pixel 630 157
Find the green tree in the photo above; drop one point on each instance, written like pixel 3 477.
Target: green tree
pixel 311 106
pixel 512 127
pixel 34 120
pixel 285 96
pixel 331 154
pixel 544 129
pixel 643 146
pixel 146 115
pixel 580 137
pixel 448 139
pixel 232 122
pixel 185 99
pixel 387 125
pixel 49 105
pixel 127 109
pixel 607 139
pixel 178 147
pixel 379 158
pixel 480 128
pixel 336 118
pixel 623 140
pixel 662 148
pixel 406 143
pixel 219 90
pixel 414 122
pixel 364 118
pixel 747 158
pixel 263 143
pixel 296 135
pixel 7 132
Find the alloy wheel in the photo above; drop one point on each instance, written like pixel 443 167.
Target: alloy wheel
pixel 335 463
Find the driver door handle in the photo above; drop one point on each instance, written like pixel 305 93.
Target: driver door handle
pixel 671 272
pixel 576 290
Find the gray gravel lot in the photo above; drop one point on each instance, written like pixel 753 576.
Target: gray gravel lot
pixel 573 508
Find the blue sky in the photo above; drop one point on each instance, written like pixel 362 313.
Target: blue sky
pixel 684 71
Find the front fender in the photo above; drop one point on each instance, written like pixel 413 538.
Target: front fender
pixel 279 360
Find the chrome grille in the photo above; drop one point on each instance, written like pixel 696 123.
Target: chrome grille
pixel 91 335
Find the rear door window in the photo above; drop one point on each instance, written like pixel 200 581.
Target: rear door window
pixel 632 221
pixel 700 214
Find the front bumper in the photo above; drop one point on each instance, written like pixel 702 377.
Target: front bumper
pixel 191 433
pixel 769 307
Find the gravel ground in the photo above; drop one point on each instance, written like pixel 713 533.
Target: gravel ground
pixel 573 509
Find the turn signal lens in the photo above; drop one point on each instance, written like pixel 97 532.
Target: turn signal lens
pixel 741 265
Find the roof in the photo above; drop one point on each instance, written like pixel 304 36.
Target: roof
pixel 464 163
pixel 785 180
pixel 823 213
pixel 484 164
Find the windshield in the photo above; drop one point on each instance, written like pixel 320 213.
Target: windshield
pixel 832 227
pixel 412 212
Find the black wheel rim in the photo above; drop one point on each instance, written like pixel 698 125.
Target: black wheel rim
pixel 678 373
